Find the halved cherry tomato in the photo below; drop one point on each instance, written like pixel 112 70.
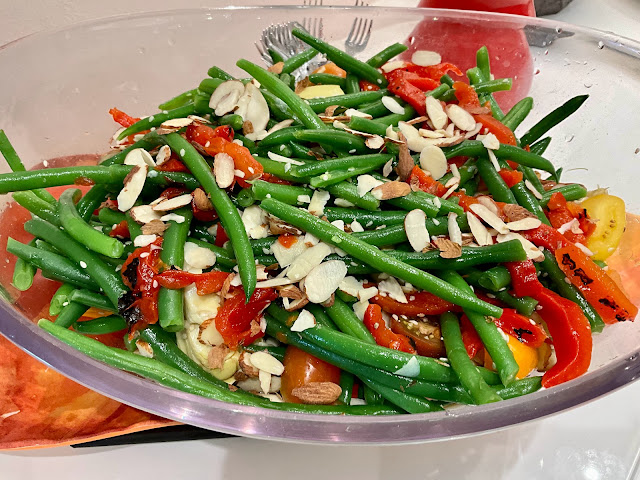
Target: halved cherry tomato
pixel 120 230
pixel 302 368
pixel 424 334
pixel 382 334
pixel 470 337
pixel 366 86
pixel 206 283
pixel 608 213
pixel 419 304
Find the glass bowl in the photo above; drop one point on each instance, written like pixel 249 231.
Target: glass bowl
pixel 58 86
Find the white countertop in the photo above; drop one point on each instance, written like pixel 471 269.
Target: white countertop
pixel 598 441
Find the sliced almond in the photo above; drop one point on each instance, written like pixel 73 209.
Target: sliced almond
pixel 352 112
pixel 516 212
pixel 448 249
pixel 533 252
pixel 374 143
pixel 416 229
pixel 389 190
pixel 247 127
pixel 201 200
pixel 286 255
pixel 390 287
pixel 533 189
pixel 154 227
pixel 304 263
pixel 280 125
pixel 278 227
pixel 144 214
pixel 436 113
pixel 405 161
pixel 330 110
pixel 317 393
pixel 426 58
pixel 323 280
pixel 291 291
pixel 490 141
pixel 414 141
pixel 430 133
pixel 366 183
pixel 455 235
pixel 479 231
pixel 163 155
pixel 524 224
pixel 489 203
pixel 144 240
pixel 276 68
pixel 390 66
pixel 223 170
pixel 172 217
pixel 139 156
pixel 133 185
pixel 176 123
pixel 266 362
pixel 274 282
pixel 489 217
pixel 265 380
pixel 434 161
pixel 296 304
pixel 225 98
pixel 198 257
pixel 217 355
pixel 473 132
pixel 255 222
pixel 460 117
pixel 252 107
pixel 244 362
pixel 173 203
pixel 392 105
pixel 417 120
pixel 226 285
pixel 318 202
pixel 304 321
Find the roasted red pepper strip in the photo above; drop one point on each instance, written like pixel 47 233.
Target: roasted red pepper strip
pixel 598 288
pixel 382 334
pixel 238 322
pixel 221 236
pixel 419 303
pixel 511 177
pixel 499 129
pixel 562 212
pixel 410 94
pixel 470 337
pixel 206 283
pixel 173 165
pixel 546 236
pixel 122 118
pixel 368 86
pixel 121 230
pixel 565 320
pixel 214 141
pixel 466 95
pixel 435 72
pixel 521 327
pixel 426 183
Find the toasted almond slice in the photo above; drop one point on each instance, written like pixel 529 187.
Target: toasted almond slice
pixel 489 203
pixel 416 229
pixel 144 240
pixel 323 280
pixel 139 156
pixel 265 380
pixel 267 363
pixel 436 113
pixel 473 132
pixel 533 252
pixel 447 141
pixel 318 202
pixel 217 355
pixel 405 161
pixel 307 261
pixel 490 141
pixel 425 58
pixel 244 362
pixel 516 212
pixel 415 142
pixel 366 183
pixel 144 214
pixel 434 161
pixel 278 227
pixel 274 282
pixel 524 224
pixel 201 200
pixel 494 160
pixel 455 234
pixel 479 231
pixel 489 217
pixel 198 119
pixel 374 143
pixel 388 167
pixel 144 349
pixel 533 189
pixel 280 125
pixel 225 98
pixel 223 170
pixel 176 123
pixel 460 117
pixel 285 256
pixel 255 222
pixel 330 110
pixel 173 203
pixel 417 120
pixel 448 248
pixel 350 286
pixel 290 291
pixel 163 155
pixel 198 257
pixel 247 127
pixel 172 217
pixel 282 159
pixel 133 185
pixel 391 288
pixel 390 66
pixel 390 190
pixel 430 133
pixel 304 321
pixel 392 105
pixel 352 112
pixel 317 393
pixel 297 304
pixel 154 227
pixel 452 189
pixel 276 68
pixel 252 107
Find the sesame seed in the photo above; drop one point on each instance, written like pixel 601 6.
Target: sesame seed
pixel 182 152
pixel 83 264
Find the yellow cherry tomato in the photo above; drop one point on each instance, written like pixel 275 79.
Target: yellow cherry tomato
pixel 526 356
pixel 609 214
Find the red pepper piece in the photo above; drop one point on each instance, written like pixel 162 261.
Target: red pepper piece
pixel 122 118
pixel 511 177
pixel 287 240
pixel 382 334
pixel 435 72
pixel 206 283
pixel 546 236
pixel 173 165
pixel 425 182
pixel 221 236
pixel 368 86
pixel 562 212
pixel 121 230
pixel 410 94
pixel 598 288
pixel 466 95
pixel 524 278
pixel 237 321
pixel 470 337
pixel 520 327
pixel 419 303
pixel 499 129
pixel 173 192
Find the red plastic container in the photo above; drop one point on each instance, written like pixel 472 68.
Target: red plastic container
pixel 515 7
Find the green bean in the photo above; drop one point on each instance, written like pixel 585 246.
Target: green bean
pixel 352 84
pixel 375 127
pixel 278 108
pixel 326 79
pixel 217 72
pixel 36 206
pixel 341 59
pixel 285 193
pixel 540 146
pixel 467 173
pixel 439 91
pixel 227 212
pixel 336 176
pixel 157 119
pixel 518 113
pixel 233 120
pixel 408 403
pixel 491 86
pixel 111 217
pixel 91 299
pixel 23 273
pixel 53 266
pixel 69 315
pixel 349 191
pixel 135 230
pixel 425 202
pixel 474 148
pixel 519 388
pixel 375 257
pixel 495 279
pixel 103 274
pixel 462 364
pixel 245 198
pixel 279 137
pixel 394 118
pixel 288 80
pixel 571 192
pixel 186 382
pixel 300 151
pixel 483 63
pixel 447 80
pixel 273 84
pixel 347 321
pixel 321 316
pixel 209 85
pixel 279 169
pixel 491 337
pixel 375 109
pixel 567 290
pixel 60 299
pixel 296 61
pixel 338 139
pixel 171 302
pixel 91 201
pixel 101 325
pixel 327 166
pixel 482 73
pixel 526 199
pixel 524 305
pixel 275 56
pixel 496 185
pixel 84 233
pixel 347 381
pixel 179 100
pixel 387 54
pixel 348 100
pixel 552 119
pixel 366 218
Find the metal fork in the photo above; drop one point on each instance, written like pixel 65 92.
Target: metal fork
pixel 359 34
